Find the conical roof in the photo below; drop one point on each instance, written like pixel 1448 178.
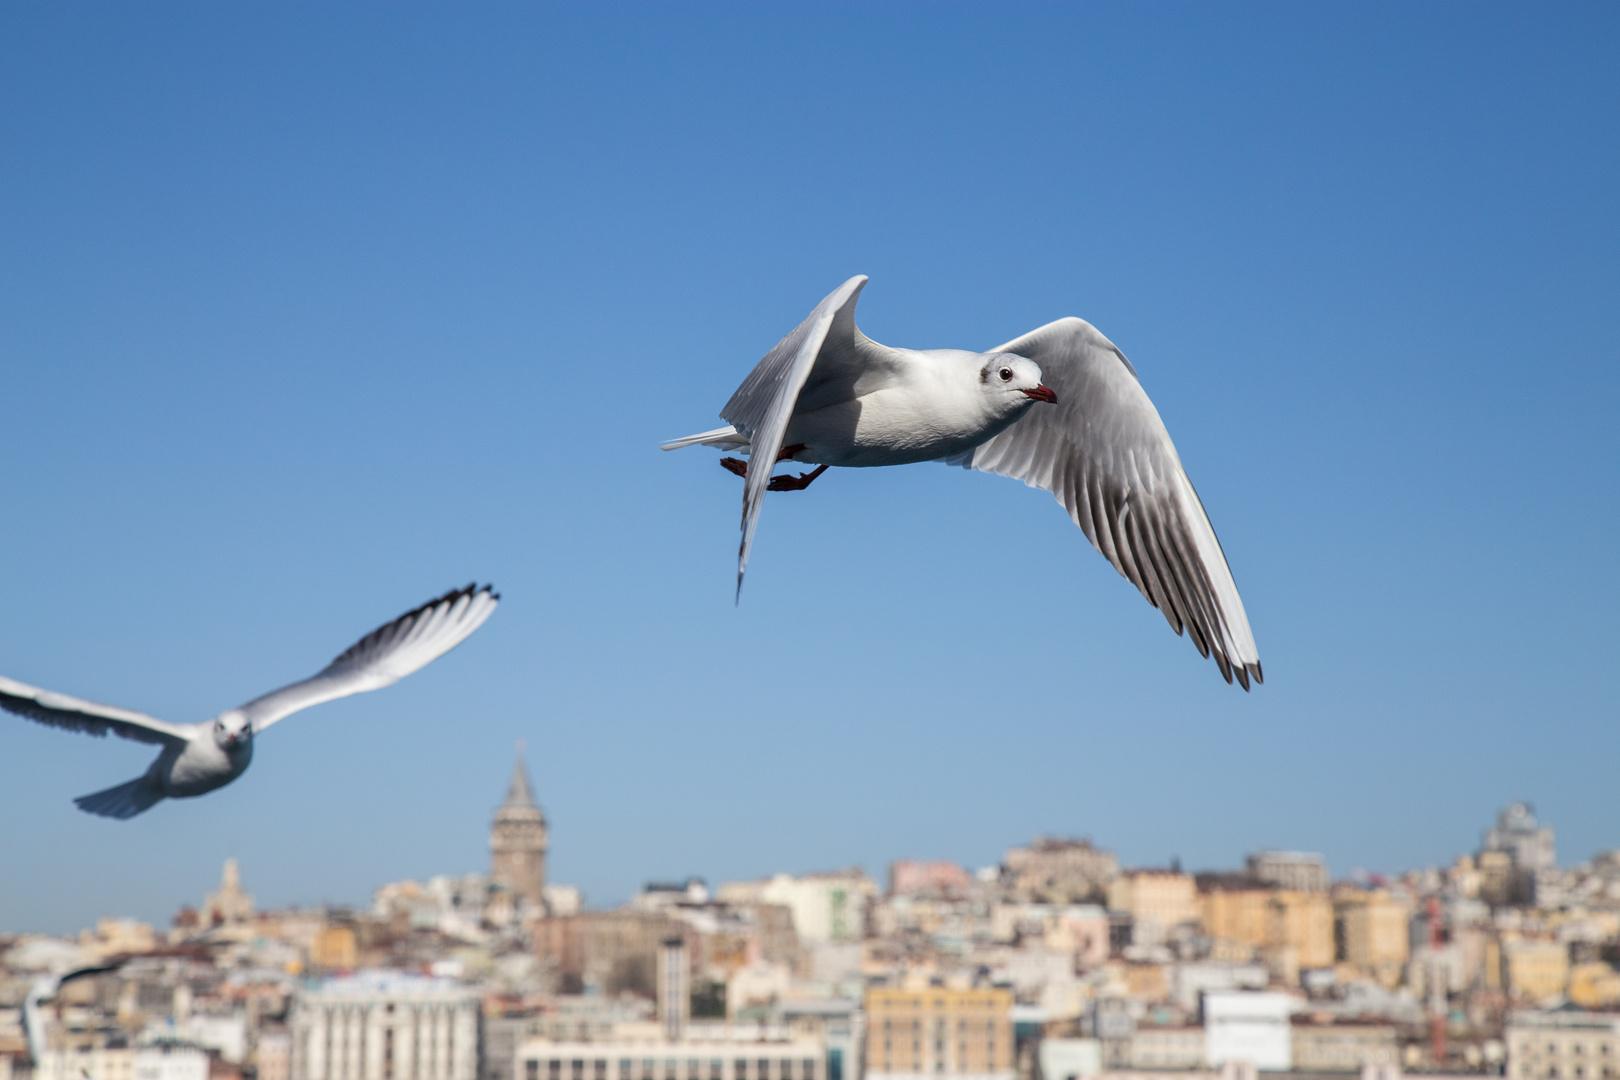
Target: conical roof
pixel 519 795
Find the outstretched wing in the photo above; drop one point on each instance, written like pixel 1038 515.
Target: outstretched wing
pixel 1105 454
pixel 817 364
pixel 76 714
pixel 384 656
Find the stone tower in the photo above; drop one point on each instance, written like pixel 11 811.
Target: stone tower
pixel 518 841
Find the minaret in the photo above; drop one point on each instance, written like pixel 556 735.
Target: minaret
pixel 517 840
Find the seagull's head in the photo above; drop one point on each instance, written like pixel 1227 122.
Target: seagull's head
pixel 1014 381
pixel 232 729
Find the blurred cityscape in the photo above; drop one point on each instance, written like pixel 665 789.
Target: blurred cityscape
pixel 1057 964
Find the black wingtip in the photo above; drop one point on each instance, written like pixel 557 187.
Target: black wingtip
pixel 1258 676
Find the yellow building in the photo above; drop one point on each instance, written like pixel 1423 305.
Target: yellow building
pixel 1300 923
pixel 1156 900
pixel 1594 986
pixel 934 1031
pixel 334 948
pixel 1535 969
pixel 1240 915
pixel 1373 933
pixel 1303 922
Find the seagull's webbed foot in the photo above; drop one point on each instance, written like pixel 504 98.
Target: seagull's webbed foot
pixel 795 483
pixel 777 483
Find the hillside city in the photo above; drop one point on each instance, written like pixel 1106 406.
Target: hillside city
pixel 1056 964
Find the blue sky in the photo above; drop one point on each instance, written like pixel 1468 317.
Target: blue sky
pixel 309 313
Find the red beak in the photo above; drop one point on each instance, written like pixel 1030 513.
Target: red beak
pixel 1043 393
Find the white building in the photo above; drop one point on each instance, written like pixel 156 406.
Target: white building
pixel 1249 1028
pixel 705 1053
pixel 1566 1045
pixel 166 1061
pixel 385 1025
pixel 826 907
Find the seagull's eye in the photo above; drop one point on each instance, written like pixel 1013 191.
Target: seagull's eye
pixel 1006 374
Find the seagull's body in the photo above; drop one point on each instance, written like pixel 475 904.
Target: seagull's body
pixel 1059 408
pixel 43 992
pixel 198 758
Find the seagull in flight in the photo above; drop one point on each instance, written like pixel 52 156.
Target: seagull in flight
pixel 197 758
pixel 44 991
pixel 1059 408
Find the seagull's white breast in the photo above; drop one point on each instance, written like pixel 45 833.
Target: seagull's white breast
pixel 936 409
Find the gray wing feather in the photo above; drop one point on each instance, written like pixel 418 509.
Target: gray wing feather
pixel 76 714
pixel 1103 452
pixel 385 655
pixel 764 403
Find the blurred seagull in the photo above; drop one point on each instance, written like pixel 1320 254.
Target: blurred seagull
pixel 1059 408
pixel 197 758
pixel 43 992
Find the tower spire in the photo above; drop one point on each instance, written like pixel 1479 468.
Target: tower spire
pixel 518 840
pixel 518 792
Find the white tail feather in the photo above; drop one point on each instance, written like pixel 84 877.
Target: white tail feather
pixel 726 438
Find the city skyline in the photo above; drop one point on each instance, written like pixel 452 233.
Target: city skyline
pixel 310 312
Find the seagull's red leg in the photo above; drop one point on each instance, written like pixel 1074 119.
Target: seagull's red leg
pixel 776 483
pixel 795 483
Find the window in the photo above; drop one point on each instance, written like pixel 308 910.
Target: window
pixel 531 1070
pixel 599 1068
pixel 648 1068
pixel 576 1069
pixel 784 1070
pixel 627 1069
pixel 739 1069
pixel 764 1072
pixel 717 1069
pixel 554 1069
pixel 807 1069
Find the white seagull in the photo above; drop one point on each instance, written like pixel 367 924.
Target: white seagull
pixel 1059 408
pixel 43 992
pixel 197 758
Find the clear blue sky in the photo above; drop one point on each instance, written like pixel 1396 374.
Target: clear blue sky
pixel 308 313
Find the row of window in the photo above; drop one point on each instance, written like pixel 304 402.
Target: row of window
pixel 939 1025
pixel 1579 1072
pixel 672 1069
pixel 1528 1048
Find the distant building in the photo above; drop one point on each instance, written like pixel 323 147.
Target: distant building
pixel 229 906
pixel 704 1053
pixel 826 906
pixel 273 1055
pixel 1249 1028
pixel 518 840
pixel 1060 871
pixel 1168 1047
pixel 611 952
pixel 915 1034
pixel 838 1024
pixel 1299 870
pixel 911 877
pixel 1530 845
pixel 1372 933
pixel 1535 970
pixel 1563 1045
pixel 1156 900
pixel 381 1025
pixel 165 1061
pixel 1348 1047
pixel 1070 1059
